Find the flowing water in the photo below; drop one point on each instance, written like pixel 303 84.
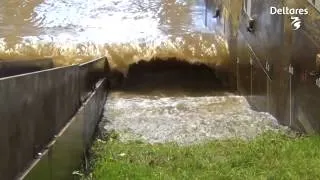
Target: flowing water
pixel 126 31
pixel 184 118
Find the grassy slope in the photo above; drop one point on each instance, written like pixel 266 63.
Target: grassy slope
pixel 270 156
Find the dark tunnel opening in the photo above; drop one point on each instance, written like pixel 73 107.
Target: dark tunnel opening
pixel 169 74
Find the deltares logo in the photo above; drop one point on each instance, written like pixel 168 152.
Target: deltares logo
pixel 294 12
pixel 295 22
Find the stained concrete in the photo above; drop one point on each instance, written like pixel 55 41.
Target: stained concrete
pixel 67 150
pixel 33 108
pixel 274 47
pixel 90 72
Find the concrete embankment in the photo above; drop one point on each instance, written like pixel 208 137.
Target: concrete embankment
pixel 275 66
pixel 15 67
pixel 65 154
pixel 37 112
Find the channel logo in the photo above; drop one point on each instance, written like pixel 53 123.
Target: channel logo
pixel 296 22
pixel 295 13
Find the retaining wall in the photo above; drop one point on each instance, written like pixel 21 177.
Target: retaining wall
pixel 65 153
pixel 34 107
pixel 274 66
pixel 15 67
pixel 90 72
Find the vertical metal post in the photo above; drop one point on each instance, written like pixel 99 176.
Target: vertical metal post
pixel 237 71
pixel 268 86
pixel 291 71
pixel 251 77
pixel 290 93
pixel 268 94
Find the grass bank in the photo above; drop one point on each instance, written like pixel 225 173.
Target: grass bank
pixel 269 156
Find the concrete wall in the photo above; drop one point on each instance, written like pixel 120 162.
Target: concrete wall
pixel 263 59
pixel 33 108
pixel 65 153
pixel 15 67
pixel 305 45
pixel 90 73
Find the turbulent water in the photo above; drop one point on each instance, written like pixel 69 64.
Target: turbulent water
pixel 177 116
pixel 125 31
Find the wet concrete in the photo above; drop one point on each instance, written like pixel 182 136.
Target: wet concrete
pixel 33 108
pixel 275 49
pixel 91 72
pixel 261 62
pixel 65 154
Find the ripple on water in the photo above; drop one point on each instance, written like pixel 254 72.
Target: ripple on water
pixel 125 31
pixel 184 119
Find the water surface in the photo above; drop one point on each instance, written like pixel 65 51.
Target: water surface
pixel 125 31
pixel 183 117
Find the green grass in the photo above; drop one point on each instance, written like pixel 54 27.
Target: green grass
pixel 269 156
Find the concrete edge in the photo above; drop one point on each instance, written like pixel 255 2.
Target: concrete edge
pixel 45 152
pixel 38 72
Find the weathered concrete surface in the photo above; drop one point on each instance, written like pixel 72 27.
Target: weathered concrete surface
pixel 15 67
pixel 41 167
pixel 66 152
pixel 274 47
pixel 33 108
pixel 90 73
pixel 305 47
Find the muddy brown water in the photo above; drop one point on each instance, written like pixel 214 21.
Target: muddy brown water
pixel 183 117
pixel 127 31
pixel 178 102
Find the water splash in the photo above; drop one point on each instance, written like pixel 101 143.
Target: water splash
pixel 75 31
pixel 172 116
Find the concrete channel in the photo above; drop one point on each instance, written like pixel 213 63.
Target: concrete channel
pixel 15 67
pixel 275 66
pixel 49 115
pixel 48 118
